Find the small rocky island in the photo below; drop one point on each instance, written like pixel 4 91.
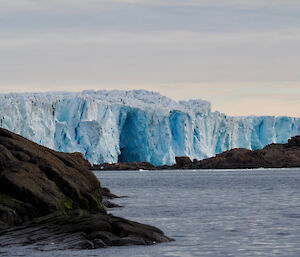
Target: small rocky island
pixel 50 200
pixel 272 156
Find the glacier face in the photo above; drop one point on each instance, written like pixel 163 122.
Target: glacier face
pixel 107 126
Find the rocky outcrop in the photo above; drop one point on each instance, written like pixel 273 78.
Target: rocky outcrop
pixel 183 161
pixel 36 181
pixel 40 187
pixel 125 166
pixel 272 156
pixel 80 229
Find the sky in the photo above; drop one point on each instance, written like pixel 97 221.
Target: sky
pixel 241 55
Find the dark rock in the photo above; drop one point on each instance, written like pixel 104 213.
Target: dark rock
pixel 81 232
pixel 106 193
pixel 168 167
pixel 98 243
pixel 107 237
pixel 36 181
pixel 130 240
pixel 294 141
pixel 81 244
pixel 271 156
pixel 183 161
pixel 109 204
pixel 51 200
pixel 125 166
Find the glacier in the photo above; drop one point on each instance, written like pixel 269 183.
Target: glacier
pixel 137 125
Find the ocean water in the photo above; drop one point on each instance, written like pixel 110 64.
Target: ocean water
pixel 208 213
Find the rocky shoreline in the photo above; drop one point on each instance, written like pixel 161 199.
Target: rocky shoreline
pixel 51 201
pixel 272 156
pixel 80 230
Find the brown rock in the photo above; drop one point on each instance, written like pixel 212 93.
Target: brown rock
pixel 183 161
pixel 124 166
pixel 36 181
pixel 271 156
pixel 57 201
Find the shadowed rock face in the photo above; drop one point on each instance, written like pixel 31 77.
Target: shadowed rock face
pixel 54 196
pixel 36 181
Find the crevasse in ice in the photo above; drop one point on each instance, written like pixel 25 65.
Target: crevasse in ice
pixel 138 125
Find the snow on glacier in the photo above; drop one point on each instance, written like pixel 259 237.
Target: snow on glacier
pixel 107 126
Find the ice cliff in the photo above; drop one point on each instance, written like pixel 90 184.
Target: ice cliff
pixel 136 125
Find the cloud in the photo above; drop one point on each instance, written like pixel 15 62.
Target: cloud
pixel 155 57
pixel 142 16
pixel 223 51
pixel 91 3
pixel 212 3
pixel 85 37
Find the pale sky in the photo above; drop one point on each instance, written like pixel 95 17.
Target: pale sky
pixel 241 55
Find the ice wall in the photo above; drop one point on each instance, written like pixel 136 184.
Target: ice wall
pixel 136 125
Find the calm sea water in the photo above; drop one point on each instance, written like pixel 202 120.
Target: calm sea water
pixel 208 213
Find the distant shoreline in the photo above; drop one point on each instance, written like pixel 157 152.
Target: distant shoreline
pixel 272 156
